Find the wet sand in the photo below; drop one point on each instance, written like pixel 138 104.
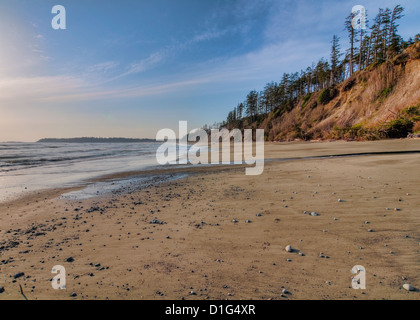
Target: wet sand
pixel 219 234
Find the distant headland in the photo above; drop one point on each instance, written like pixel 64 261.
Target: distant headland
pixel 94 140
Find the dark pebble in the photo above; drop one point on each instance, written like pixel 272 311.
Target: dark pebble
pixel 18 275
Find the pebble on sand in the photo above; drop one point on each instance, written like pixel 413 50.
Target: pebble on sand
pixel 314 214
pixel 289 248
pixel 408 287
pixel 18 275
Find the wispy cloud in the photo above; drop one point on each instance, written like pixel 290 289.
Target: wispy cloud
pixel 144 65
pixel 207 36
pixel 35 88
pixel 103 67
pixel 265 63
pixel 262 65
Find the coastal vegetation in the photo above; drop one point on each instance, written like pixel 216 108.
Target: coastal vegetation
pixel 367 92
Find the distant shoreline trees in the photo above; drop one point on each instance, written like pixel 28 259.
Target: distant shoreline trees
pixel 93 140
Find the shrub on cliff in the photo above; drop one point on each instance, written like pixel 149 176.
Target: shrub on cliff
pixel 398 128
pixel 327 95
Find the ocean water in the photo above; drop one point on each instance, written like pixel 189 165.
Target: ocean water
pixel 28 167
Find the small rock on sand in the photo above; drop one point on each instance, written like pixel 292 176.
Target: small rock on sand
pixel 314 214
pixel 289 248
pixel 18 275
pixel 408 287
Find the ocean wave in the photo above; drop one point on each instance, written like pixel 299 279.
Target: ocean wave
pixel 20 156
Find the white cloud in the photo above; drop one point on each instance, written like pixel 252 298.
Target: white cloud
pixel 103 67
pixel 208 35
pixel 36 88
pixel 145 64
pixel 265 64
pixel 279 54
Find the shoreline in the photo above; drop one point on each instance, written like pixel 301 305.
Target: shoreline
pixel 302 149
pixel 109 178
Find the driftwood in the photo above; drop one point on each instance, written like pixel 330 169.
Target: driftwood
pixel 21 292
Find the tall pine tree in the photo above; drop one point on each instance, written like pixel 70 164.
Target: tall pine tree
pixel 335 59
pixel 352 36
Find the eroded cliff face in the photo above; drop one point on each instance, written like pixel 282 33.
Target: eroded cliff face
pixel 361 107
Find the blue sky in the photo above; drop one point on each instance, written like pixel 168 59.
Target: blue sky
pixel 132 67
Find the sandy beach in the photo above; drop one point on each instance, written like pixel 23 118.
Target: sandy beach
pixel 219 234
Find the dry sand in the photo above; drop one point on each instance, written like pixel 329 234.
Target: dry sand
pixel 200 249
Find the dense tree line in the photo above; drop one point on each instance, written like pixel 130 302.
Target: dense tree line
pixel 376 44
